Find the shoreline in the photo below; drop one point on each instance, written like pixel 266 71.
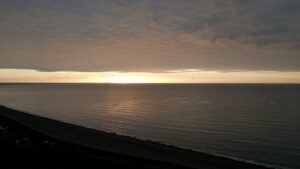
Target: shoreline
pixel 131 147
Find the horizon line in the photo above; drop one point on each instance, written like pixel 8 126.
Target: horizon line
pixel 7 83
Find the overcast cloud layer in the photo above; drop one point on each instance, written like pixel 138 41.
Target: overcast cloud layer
pixel 150 35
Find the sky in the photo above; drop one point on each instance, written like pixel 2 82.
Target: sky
pixel 150 41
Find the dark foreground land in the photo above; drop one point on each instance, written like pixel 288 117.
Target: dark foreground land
pixel 28 141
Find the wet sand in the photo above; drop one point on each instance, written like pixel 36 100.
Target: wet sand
pixel 38 141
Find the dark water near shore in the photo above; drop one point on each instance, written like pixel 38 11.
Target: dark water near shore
pixel 258 123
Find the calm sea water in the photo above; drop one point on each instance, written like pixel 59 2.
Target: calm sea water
pixel 257 123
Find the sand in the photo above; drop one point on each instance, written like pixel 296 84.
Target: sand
pixel 128 147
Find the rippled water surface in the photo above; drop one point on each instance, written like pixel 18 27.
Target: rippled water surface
pixel 259 123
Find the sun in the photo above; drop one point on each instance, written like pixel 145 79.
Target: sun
pixel 125 79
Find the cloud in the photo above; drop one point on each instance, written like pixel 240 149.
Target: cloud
pixel 251 22
pixel 150 35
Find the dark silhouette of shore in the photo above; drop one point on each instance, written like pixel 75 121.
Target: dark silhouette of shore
pixel 29 141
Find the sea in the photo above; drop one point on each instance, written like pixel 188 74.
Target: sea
pixel 257 123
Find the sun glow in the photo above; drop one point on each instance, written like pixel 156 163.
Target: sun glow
pixel 126 80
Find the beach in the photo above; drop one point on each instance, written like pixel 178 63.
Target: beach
pixel 75 144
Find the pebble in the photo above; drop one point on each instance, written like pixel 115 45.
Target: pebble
pixel 18 141
pixel 3 128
